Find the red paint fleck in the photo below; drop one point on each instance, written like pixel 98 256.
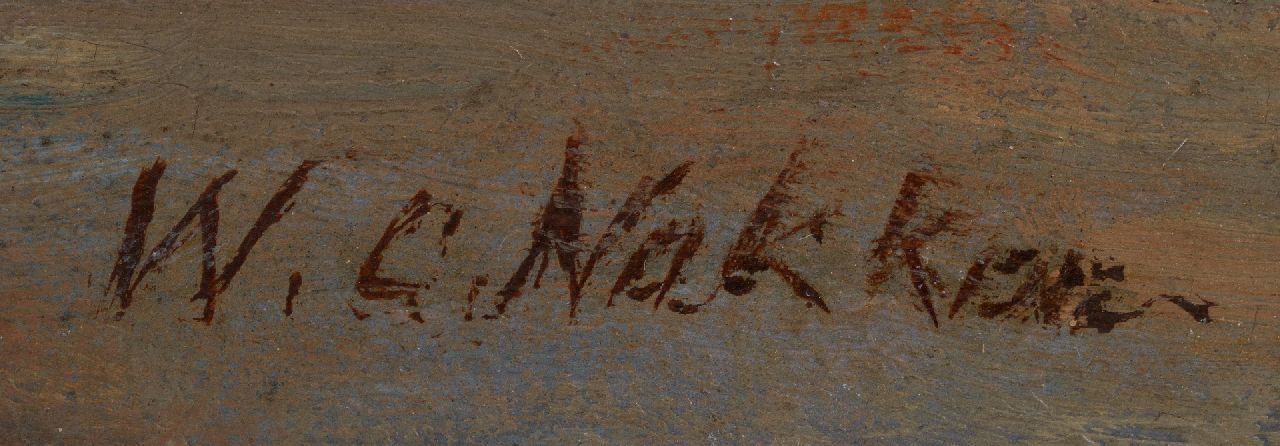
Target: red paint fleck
pixel 774 34
pixel 769 67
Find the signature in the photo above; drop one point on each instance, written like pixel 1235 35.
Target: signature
pixel 1047 288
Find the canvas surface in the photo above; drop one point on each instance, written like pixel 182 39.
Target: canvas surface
pixel 600 222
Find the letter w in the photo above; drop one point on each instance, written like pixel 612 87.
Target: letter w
pixel 131 266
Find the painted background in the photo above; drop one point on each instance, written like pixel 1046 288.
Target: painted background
pixel 1136 133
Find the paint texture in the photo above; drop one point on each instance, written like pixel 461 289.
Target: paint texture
pixel 924 222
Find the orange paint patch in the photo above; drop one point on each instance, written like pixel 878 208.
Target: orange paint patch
pixel 898 19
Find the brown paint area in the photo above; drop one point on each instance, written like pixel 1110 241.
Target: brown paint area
pixel 129 269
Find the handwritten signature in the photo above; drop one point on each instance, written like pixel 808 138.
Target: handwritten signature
pixel 1052 290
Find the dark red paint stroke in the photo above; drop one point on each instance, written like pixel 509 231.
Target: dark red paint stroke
pixel 761 231
pixel 369 284
pixel 1199 312
pixel 632 210
pixel 1053 298
pixel 1014 261
pixel 973 279
pixel 473 293
pixel 1095 315
pixel 141 212
pixel 686 251
pixel 557 228
pixel 206 209
pixel 903 245
pixel 1032 283
pixel 360 315
pixel 279 204
pixel 922 277
pixel 659 240
pixel 295 285
pixel 905 208
pixel 450 228
pixel 1115 273
pixel 1052 295
pixel 815 225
